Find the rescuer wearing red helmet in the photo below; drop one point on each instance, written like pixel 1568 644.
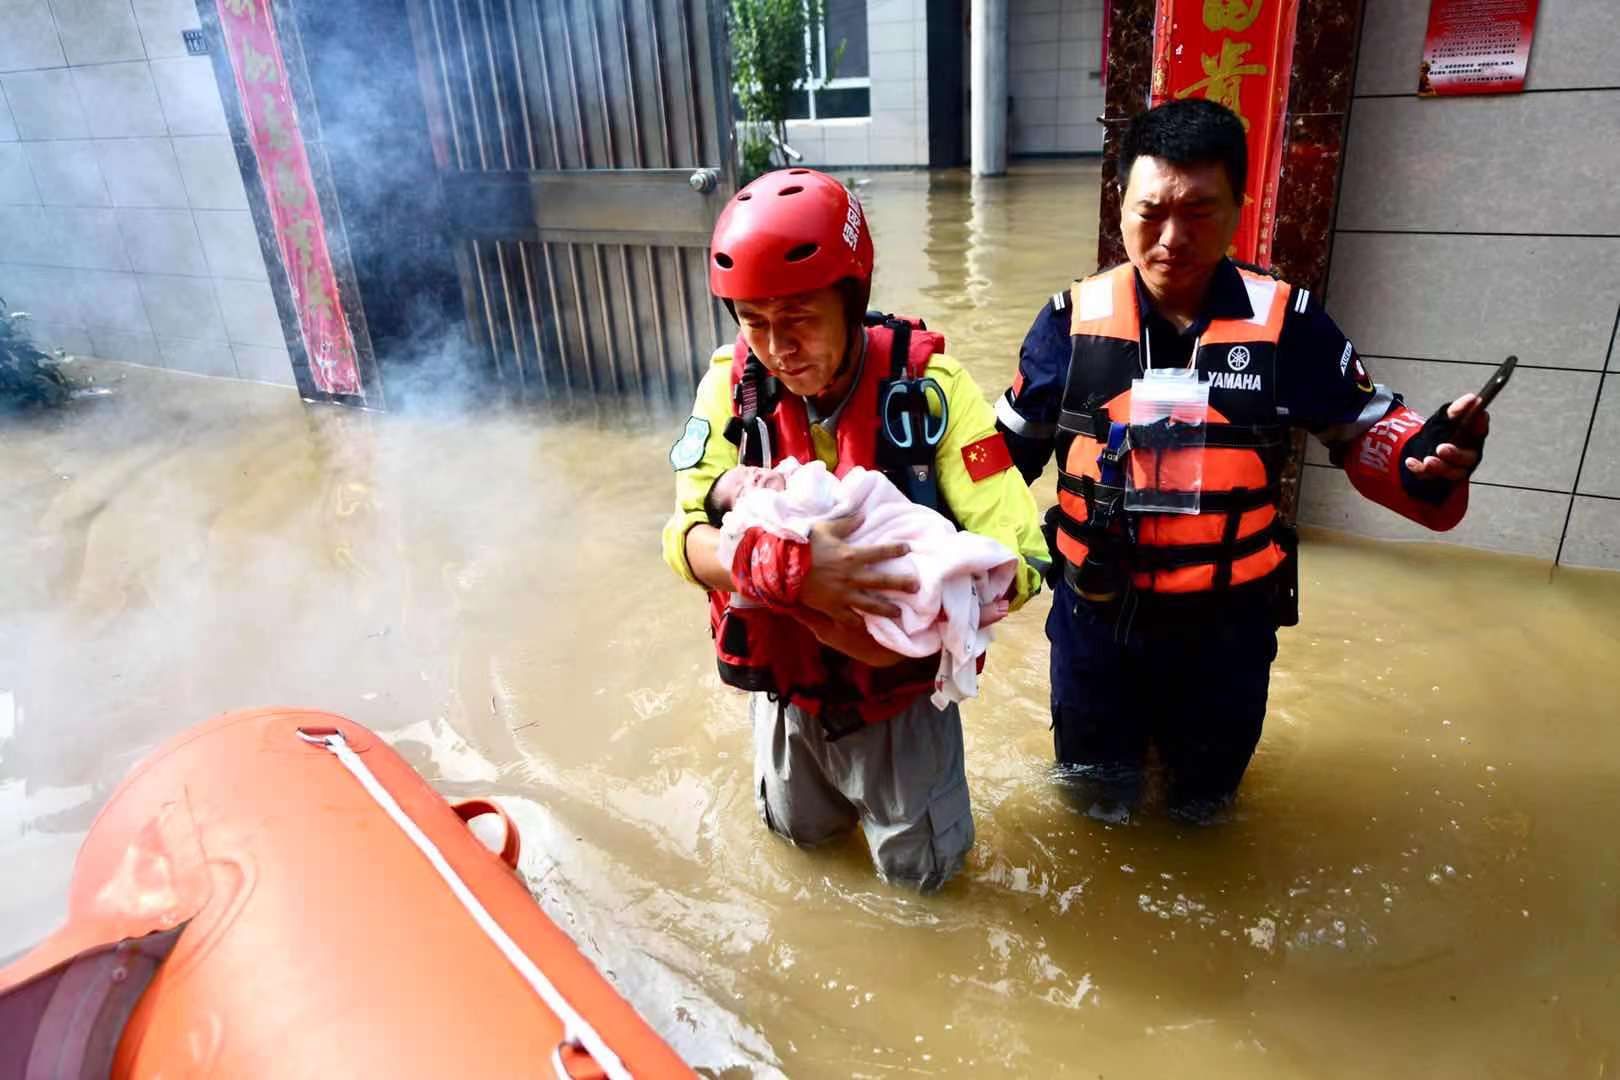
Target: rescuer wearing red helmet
pixel 844 730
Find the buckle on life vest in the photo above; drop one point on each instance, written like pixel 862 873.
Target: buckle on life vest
pixel 908 432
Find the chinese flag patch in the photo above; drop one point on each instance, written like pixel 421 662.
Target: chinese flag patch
pixel 987 457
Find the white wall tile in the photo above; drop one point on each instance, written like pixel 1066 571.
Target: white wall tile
pixel 8 126
pixel 889 38
pixel 16 179
pixel 264 365
pixel 1594 533
pixel 1029 83
pixel 126 348
pixel 1035 111
pixel 1037 56
pixel 67 172
pixel 1525 450
pixel 212 176
pixel 1082 26
pixel 190 96
pixel 82 238
pixel 28 36
pixel 24 230
pixel 50 337
pixel 1026 28
pixel 44 292
pixel 1474 297
pixel 109 302
pixel 232 244
pixel 44 105
pixel 98 31
pixel 162 22
pixel 898 65
pixel 890 96
pixel 1484 164
pixel 141 172
pixel 182 307
pixel 1601 473
pixel 1080 138
pixel 895 151
pixel 848 145
pixel 895 123
pixel 888 11
pixel 249 308
pixel 1075 84
pixel 198 357
pixel 162 242
pixel 1501 519
pixel 120 100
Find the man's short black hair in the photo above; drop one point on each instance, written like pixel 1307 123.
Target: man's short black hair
pixel 1189 132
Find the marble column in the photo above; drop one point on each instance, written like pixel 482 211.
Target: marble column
pixel 989 87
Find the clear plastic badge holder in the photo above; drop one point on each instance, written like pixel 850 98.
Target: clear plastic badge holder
pixel 1165 468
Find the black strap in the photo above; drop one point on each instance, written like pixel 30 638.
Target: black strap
pixel 1245 436
pixel 900 348
pixel 1092 423
pixel 1223 566
pixel 1086 487
pixel 1145 559
pixel 1095 423
pixel 1156 558
pixel 1209 502
pixel 753 398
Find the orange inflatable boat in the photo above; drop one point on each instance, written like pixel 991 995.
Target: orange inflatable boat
pixel 277 893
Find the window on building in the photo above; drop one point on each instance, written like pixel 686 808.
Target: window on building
pixel 839 75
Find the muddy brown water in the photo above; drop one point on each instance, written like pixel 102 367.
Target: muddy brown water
pixel 1420 878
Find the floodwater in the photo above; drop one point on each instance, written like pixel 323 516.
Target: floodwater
pixel 1422 877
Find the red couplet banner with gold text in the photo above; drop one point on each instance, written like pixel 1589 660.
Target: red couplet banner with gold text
pixel 1239 53
pixel 1477 47
pixel 272 122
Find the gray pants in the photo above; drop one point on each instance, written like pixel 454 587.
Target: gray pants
pixel 902 780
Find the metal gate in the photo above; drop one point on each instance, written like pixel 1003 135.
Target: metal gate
pixel 585 148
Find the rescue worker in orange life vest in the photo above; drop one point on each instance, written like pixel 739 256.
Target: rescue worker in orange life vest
pixel 844 731
pixel 1163 625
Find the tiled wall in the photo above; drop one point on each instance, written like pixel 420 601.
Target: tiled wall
pixel 1054 76
pixel 124 225
pixel 1473 228
pixel 897 131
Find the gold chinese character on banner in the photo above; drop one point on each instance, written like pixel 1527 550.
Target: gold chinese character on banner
pixel 259 67
pixel 1223 77
pixel 1231 14
pixel 290 187
pixel 276 124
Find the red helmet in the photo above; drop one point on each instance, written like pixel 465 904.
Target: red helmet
pixel 789 232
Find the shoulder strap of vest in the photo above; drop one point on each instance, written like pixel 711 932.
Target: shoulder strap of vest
pixel 1105 305
pixel 911 345
pixel 754 394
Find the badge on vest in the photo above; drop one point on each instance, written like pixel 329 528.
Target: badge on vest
pixel 688 449
pixel 1237 358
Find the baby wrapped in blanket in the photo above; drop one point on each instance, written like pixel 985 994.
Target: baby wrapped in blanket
pixel 963 578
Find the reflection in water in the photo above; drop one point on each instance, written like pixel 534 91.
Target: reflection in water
pixel 1420 876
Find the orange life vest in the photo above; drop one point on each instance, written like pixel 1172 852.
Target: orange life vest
pixel 1236 539
pixel 760 650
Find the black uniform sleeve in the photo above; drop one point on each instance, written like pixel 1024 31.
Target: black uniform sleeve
pixel 1322 384
pixel 1027 413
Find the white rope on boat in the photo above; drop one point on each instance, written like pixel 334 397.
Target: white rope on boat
pixel 575 1028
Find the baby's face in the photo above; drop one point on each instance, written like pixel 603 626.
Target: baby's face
pixel 734 482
